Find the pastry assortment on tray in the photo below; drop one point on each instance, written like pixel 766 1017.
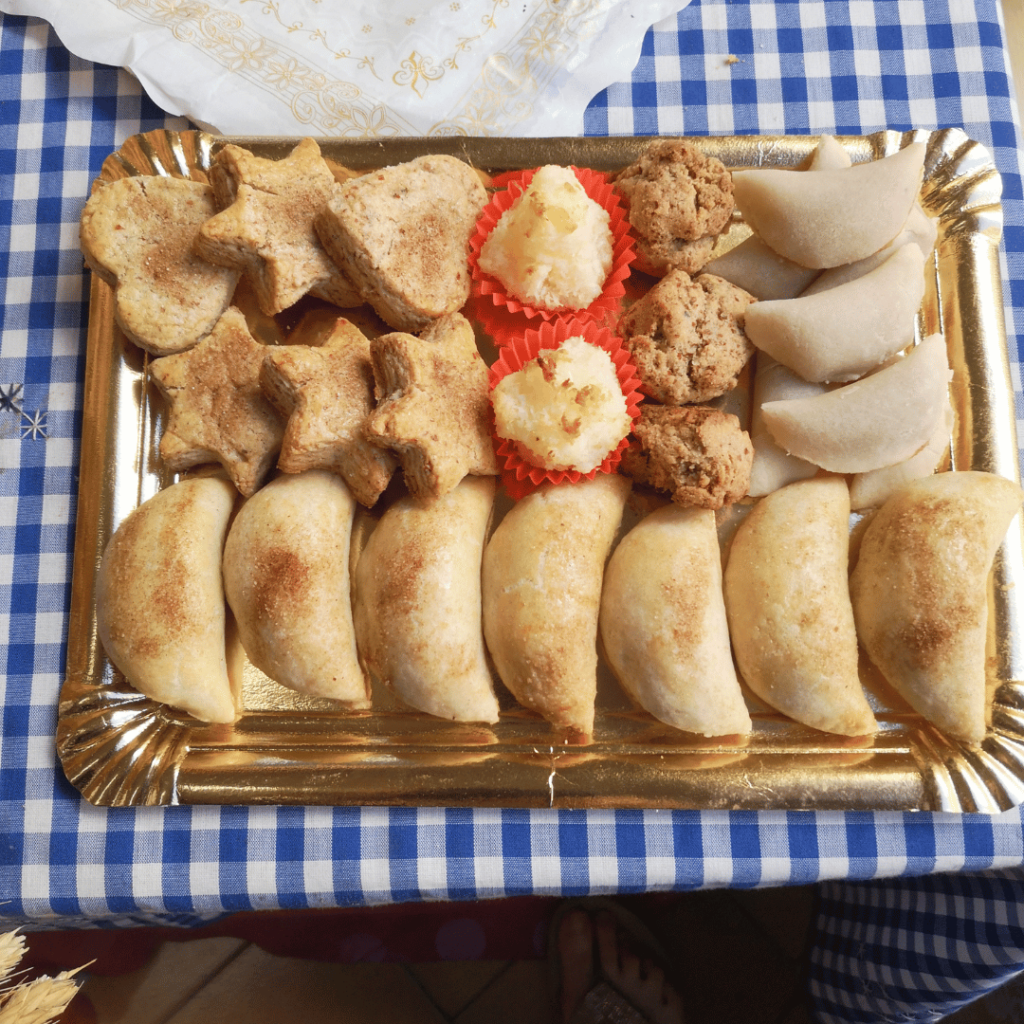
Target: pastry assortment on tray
pixel 625 358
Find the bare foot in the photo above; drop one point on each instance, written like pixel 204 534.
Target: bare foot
pixel 639 980
pixel 576 955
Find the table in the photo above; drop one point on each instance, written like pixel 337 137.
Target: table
pixel 842 66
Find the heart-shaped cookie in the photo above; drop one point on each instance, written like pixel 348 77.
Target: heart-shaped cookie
pixel 401 235
pixel 137 235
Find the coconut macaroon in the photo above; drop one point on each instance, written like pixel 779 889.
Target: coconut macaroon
pixel 553 247
pixel 564 409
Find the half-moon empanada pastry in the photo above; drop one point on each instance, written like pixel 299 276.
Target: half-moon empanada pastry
pixel 829 155
pixel 874 488
pixel 826 218
pixel 920 592
pixel 663 625
pixel 920 230
pixel 773 467
pixel 417 603
pixel 160 608
pixel 788 602
pixel 286 577
pixel 876 421
pixel 843 333
pixel 756 268
pixel 543 570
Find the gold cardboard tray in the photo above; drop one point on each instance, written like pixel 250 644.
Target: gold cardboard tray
pixel 119 748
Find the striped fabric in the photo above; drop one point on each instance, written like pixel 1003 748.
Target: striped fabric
pixel 914 949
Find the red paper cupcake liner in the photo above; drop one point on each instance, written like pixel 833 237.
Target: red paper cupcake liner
pixel 504 316
pixel 521 477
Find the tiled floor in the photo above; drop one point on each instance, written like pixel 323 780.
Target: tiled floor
pixel 737 956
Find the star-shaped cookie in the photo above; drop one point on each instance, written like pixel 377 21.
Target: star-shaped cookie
pixel 266 225
pixel 217 411
pixel 434 409
pixel 327 394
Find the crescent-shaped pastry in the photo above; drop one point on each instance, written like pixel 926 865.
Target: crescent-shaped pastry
pixel 876 421
pixel 841 334
pixel 789 607
pixel 829 155
pixel 871 489
pixel 543 570
pixel 919 592
pixel 830 217
pixel 773 467
pixel 920 230
pixel 417 603
pixel 663 624
pixel 160 609
pixel 756 268
pixel 286 577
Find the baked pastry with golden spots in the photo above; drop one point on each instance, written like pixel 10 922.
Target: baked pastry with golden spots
pixel 542 575
pixel 137 235
pixel 686 338
pixel 787 597
pixel 160 611
pixel 286 578
pixel 699 455
pixel 326 394
pixel 920 593
pixel 218 413
pixel 679 201
pixel 265 227
pixel 663 625
pixel 417 603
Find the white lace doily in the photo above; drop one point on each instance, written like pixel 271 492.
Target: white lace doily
pixel 363 67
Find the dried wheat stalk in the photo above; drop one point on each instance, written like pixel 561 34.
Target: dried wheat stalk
pixel 12 949
pixel 40 1001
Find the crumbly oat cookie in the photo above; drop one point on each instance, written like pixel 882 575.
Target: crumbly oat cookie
pixel 402 236
pixel 686 337
pixel 326 393
pixel 679 200
pixel 217 411
pixel 434 408
pixel 137 235
pixel 700 455
pixel 265 227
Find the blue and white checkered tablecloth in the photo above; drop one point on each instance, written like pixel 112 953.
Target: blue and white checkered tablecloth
pixel 839 66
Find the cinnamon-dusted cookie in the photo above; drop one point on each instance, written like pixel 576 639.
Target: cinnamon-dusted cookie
pixel 217 411
pixel 679 201
pixel 265 227
pixel 434 410
pixel 137 235
pixel 686 337
pixel 326 393
pixel 402 236
pixel 700 455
